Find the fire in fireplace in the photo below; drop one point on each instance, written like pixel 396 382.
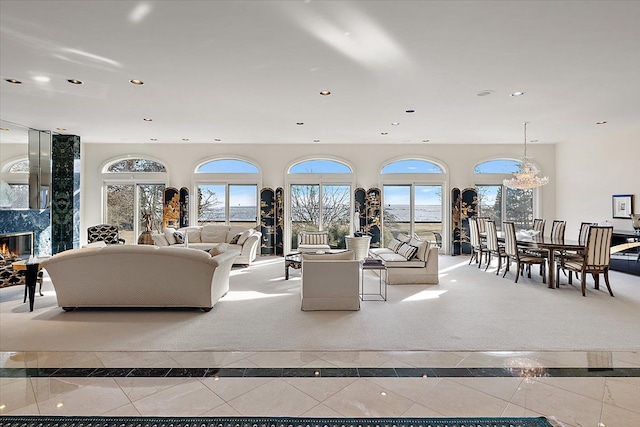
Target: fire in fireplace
pixel 16 245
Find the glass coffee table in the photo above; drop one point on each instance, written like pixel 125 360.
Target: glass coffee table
pixel 293 260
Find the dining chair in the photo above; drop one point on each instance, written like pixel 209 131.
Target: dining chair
pixel 538 225
pixel 595 260
pixel 493 247
pixel 477 247
pixel 557 229
pixel 521 258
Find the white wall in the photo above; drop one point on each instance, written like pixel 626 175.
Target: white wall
pixel 590 171
pixel 182 159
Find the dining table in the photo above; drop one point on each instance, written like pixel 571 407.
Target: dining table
pixel 549 244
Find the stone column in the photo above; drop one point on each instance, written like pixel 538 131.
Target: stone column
pixel 65 199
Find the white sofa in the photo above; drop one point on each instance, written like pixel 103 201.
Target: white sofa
pixel 139 276
pixel 209 236
pixel 420 269
pixel 330 281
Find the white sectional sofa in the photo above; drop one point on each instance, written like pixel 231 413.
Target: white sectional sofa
pixel 246 241
pixel 421 268
pixel 139 276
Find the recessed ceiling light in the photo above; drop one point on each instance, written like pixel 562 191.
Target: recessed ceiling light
pixel 61 129
pixel 14 81
pixel 410 111
pixel 217 140
pixel 486 92
pixel 185 139
pixel 42 79
pixel 316 140
pixel 300 123
pixel 147 119
pixel 383 393
pixel 384 133
pixel 136 82
pixel 395 123
pixel 325 93
pixel 517 94
pixel 425 140
pixel 603 122
pixel 153 139
pixel 534 140
pixel 74 81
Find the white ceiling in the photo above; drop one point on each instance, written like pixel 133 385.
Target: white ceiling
pixel 248 71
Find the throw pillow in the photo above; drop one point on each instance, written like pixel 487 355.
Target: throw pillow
pixel 168 233
pixel 218 249
pixel 407 251
pixel 179 237
pixel 403 238
pixel 394 245
pixel 244 236
pixel 235 239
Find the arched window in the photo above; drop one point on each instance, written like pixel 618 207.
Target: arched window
pixel 319 166
pixel 136 165
pixel 411 166
pixel 498 202
pixel 14 184
pixel 413 203
pixel 227 192
pixel 320 194
pixel 133 186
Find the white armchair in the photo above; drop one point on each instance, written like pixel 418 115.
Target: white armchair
pixel 330 282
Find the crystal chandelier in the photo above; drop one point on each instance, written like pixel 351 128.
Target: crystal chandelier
pixel 527 177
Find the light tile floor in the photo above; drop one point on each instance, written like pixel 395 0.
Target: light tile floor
pixel 577 401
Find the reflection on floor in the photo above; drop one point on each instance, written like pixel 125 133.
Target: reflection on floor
pixel 569 388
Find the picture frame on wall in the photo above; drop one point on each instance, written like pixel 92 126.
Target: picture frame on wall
pixel 622 206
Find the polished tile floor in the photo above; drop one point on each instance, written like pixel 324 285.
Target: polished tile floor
pixel 569 388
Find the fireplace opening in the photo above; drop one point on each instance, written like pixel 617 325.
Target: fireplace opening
pixel 16 245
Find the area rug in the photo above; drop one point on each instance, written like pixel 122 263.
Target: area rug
pixel 269 422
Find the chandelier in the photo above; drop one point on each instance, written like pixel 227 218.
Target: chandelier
pixel 527 177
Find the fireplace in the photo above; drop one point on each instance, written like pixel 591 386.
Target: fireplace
pixel 16 245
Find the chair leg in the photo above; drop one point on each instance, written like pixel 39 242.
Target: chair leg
pixel 543 272
pixel 488 261
pixel 473 255
pixel 596 280
pixel 606 280
pixel 517 270
pixel 499 264
pixel 584 284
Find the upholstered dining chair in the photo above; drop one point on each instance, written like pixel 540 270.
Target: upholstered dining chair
pixel 521 258
pixel 104 233
pixel 477 247
pixel 557 229
pixel 538 225
pixel 493 247
pixel 595 260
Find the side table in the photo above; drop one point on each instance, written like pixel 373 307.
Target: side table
pixel 382 283
pixel 293 260
pixel 30 278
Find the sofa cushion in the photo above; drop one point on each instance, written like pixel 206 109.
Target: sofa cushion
pixel 214 234
pixel 179 237
pixel 394 244
pixel 407 251
pixel 423 248
pixel 218 249
pixel 168 233
pixel 159 239
pixel 404 238
pixel 192 234
pixel 244 236
pixel 330 256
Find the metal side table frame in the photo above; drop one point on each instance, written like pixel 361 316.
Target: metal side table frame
pixel 382 284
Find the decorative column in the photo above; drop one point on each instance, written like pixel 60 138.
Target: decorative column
pixel 65 198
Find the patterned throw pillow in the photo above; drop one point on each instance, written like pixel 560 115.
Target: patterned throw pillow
pixel 179 237
pixel 394 245
pixel 407 251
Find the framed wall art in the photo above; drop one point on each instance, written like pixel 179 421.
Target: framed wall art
pixel 622 205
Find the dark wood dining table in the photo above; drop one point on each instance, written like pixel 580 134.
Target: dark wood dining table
pixel 551 245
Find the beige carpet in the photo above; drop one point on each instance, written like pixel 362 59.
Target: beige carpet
pixel 470 310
